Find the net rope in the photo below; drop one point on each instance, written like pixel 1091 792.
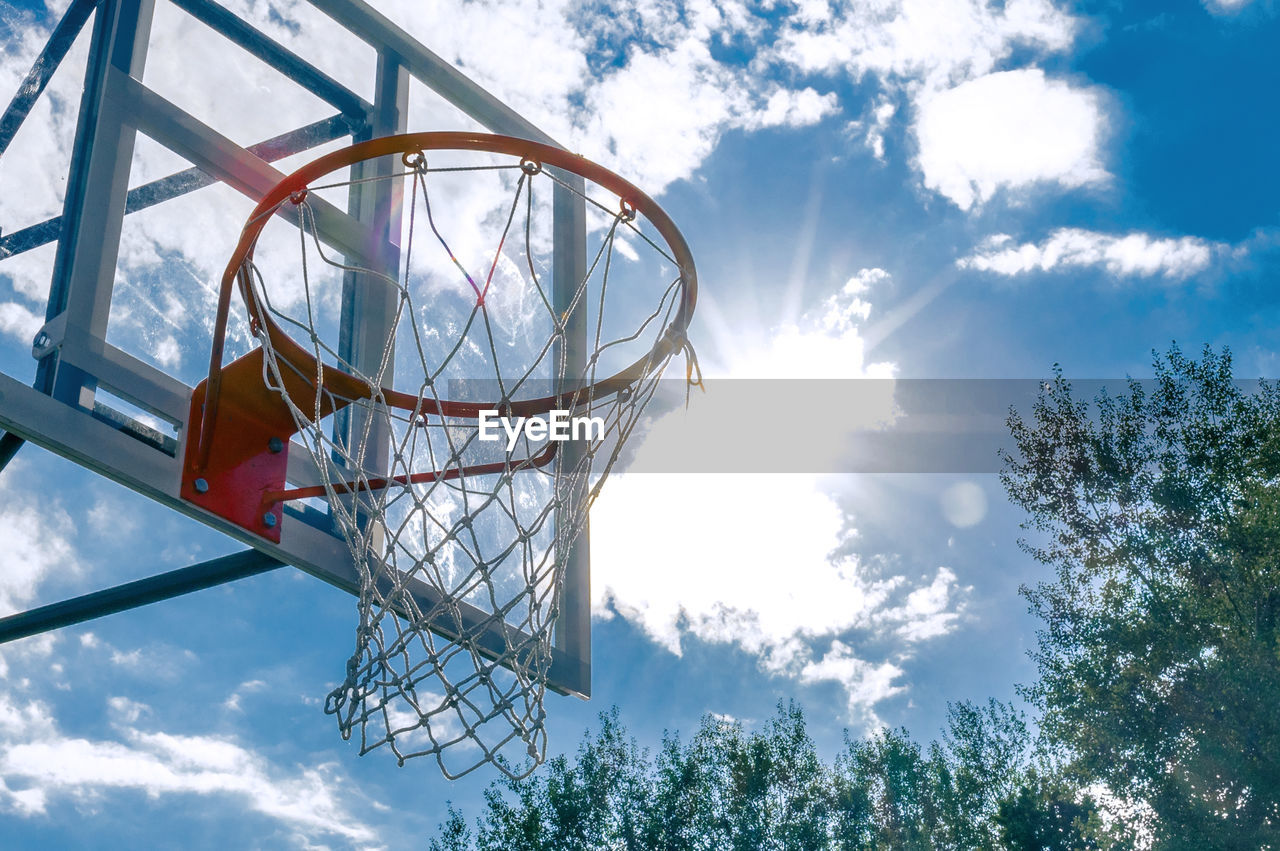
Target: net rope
pixel 461 543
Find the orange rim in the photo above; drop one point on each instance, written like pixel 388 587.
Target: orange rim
pixel 346 385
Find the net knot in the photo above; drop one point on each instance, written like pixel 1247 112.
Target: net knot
pixel 692 370
pixel 679 342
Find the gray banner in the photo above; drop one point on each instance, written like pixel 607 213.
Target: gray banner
pixel 829 426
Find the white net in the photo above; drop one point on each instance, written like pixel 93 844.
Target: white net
pixel 460 540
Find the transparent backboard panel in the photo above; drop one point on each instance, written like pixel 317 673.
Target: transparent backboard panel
pixel 33 172
pixel 429 111
pixel 490 230
pixel 171 257
pixel 236 93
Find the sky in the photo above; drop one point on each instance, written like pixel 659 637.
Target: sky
pixel 898 189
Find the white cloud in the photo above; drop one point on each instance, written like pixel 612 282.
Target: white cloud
pixel 928 611
pixel 866 684
pixel 977 129
pixel 1006 130
pixel 659 117
pixel 108 521
pixel 708 575
pixel 881 116
pixel 761 561
pixel 930 43
pixel 1225 6
pixel 826 343
pixel 786 108
pixel 39 765
pixel 31 271
pixel 167 352
pixel 1130 255
pixel 232 703
pixel 19 322
pixel 157 660
pixel 751 561
pixel 126 710
pixel 37 536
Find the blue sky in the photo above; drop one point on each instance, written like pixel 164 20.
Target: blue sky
pixel 924 189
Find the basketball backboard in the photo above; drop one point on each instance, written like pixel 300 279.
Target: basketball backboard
pixel 168 147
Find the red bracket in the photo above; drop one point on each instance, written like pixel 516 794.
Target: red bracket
pixel 230 470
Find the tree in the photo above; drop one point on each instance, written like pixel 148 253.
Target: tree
pixel 454 834
pixel 777 793
pixel 596 802
pixel 984 758
pixel 726 789
pixel 768 789
pixel 891 773
pixel 1046 816
pixel 1159 659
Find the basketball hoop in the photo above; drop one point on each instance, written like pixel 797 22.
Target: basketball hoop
pixel 429 509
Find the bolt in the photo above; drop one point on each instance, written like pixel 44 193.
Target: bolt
pixel 269 520
pixel 276 445
pixel 201 486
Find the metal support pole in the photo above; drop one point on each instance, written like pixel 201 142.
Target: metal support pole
pixel 366 326
pixel 369 304
pixel 573 628
pixel 131 595
pixel 93 211
pixel 10 443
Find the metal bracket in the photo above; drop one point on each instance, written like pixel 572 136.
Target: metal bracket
pixel 50 337
pixel 231 470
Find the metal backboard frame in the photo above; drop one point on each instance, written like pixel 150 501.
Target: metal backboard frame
pixel 68 409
